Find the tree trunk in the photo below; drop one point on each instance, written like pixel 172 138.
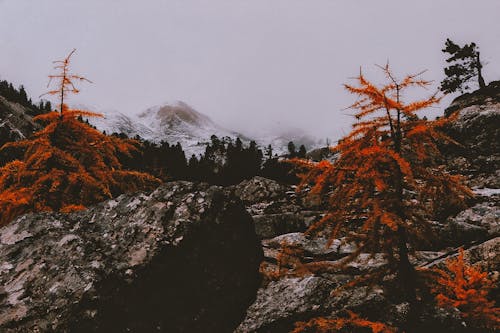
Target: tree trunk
pixel 408 283
pixel 406 274
pixel 480 78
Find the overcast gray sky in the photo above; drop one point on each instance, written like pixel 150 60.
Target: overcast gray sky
pixel 249 64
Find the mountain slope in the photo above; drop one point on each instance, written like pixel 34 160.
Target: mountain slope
pixel 15 121
pixel 179 122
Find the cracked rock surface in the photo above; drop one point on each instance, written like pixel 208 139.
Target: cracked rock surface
pixel 167 261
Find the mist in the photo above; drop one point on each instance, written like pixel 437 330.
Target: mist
pixel 252 66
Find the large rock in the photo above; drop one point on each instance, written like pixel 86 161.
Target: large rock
pixel 480 222
pixel 312 248
pixel 485 255
pixel 182 259
pixel 286 301
pixel 259 189
pixel 476 129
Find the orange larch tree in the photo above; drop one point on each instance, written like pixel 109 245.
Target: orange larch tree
pixel 386 183
pixel 68 164
pixel 467 288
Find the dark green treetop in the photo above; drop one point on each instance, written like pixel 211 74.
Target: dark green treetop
pixel 465 65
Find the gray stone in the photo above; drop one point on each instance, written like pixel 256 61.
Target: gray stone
pixel 259 189
pixel 286 301
pixel 485 255
pixel 477 223
pixel 183 258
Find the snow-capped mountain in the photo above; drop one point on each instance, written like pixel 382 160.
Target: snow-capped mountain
pixel 179 122
pixel 175 122
pixel 117 122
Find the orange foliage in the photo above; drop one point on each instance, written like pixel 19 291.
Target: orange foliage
pixel 65 80
pixel 67 165
pixel 466 288
pixel 351 324
pixel 385 184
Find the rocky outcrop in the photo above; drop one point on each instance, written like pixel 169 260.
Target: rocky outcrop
pixel 281 303
pixel 490 93
pixel 183 258
pixel 259 189
pixel 478 223
pixel 476 129
pixel 276 208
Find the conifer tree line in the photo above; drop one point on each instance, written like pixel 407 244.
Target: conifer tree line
pixel 225 161
pixel 19 95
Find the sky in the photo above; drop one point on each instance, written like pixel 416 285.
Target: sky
pixel 250 65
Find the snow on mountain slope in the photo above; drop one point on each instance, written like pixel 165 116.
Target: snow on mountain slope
pixel 175 122
pixel 179 122
pixel 117 122
pixel 279 139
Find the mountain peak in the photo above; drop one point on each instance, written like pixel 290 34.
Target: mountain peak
pixel 172 115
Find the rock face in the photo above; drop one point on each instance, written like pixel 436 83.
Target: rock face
pixel 478 223
pixel 182 259
pixel 476 128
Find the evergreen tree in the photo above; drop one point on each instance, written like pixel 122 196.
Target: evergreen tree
pixel 387 184
pixel 465 66
pixel 23 97
pixel 67 165
pixel 302 152
pixel 269 152
pixel 291 150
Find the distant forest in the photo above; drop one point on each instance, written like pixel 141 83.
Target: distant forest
pixel 226 161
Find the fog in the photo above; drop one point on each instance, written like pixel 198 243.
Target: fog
pixel 250 65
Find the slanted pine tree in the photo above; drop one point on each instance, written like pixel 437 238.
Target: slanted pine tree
pixel 386 183
pixel 465 65
pixel 67 165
